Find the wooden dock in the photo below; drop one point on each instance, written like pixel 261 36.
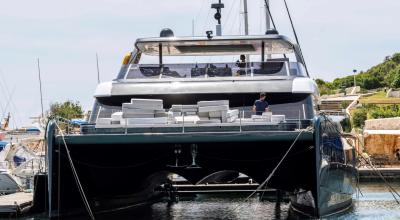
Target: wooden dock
pixel 15 204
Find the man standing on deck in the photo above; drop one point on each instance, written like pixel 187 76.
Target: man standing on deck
pixel 261 105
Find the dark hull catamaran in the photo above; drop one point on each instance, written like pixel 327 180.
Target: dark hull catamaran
pixel 131 146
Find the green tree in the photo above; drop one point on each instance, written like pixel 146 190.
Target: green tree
pixel 381 75
pixel 396 58
pixel 371 83
pixel 67 110
pixel 396 77
pixel 325 88
pixel 320 82
pixel 359 117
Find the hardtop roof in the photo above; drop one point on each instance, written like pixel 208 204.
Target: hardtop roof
pixel 217 45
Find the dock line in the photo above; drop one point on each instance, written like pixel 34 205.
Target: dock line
pixel 274 170
pixel 390 188
pixel 78 182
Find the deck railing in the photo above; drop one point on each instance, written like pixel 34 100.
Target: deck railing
pixel 234 121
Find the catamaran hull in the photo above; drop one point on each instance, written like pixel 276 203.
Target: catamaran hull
pixel 118 171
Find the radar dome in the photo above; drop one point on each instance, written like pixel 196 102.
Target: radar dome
pixel 166 32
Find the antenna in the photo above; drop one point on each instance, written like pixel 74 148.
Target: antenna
pixel 218 16
pixel 98 69
pixel 40 86
pixel 192 27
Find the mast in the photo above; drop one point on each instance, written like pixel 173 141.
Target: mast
pixel 246 26
pixel 192 27
pixel 40 86
pixel 246 18
pixel 98 70
pixel 267 22
pixel 267 16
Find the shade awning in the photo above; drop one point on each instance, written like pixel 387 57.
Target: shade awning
pixel 225 45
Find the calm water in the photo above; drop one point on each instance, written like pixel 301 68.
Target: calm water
pixel 377 203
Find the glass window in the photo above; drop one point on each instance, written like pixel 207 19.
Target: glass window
pixel 269 68
pixel 199 70
pixel 297 69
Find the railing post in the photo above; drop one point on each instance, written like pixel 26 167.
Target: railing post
pixel 126 126
pixel 240 121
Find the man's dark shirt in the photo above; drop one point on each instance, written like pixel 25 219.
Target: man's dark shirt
pixel 260 106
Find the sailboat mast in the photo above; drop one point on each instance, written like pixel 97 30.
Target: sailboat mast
pixel 246 25
pixel 267 16
pixel 98 69
pixel 267 22
pixel 246 18
pixel 40 85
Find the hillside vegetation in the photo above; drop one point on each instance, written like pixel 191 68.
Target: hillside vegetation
pixel 385 74
pixel 377 105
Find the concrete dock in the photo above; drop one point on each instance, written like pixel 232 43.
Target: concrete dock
pixel 389 173
pixel 15 204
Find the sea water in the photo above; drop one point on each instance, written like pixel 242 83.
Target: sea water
pixel 373 201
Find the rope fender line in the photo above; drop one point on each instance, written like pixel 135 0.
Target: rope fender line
pixel 265 183
pixel 76 177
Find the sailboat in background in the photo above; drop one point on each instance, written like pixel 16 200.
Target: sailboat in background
pixel 5 123
pixel 21 158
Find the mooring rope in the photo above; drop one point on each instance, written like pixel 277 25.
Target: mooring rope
pixel 78 182
pixel 390 188
pixel 368 162
pixel 265 182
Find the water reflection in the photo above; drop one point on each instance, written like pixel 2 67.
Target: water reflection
pixel 377 203
pixel 204 207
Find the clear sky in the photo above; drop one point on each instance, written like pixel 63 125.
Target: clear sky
pixel 336 37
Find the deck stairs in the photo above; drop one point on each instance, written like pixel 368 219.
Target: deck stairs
pixel 332 107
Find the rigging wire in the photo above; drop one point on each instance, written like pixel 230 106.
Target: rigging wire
pixel 207 20
pixel 6 91
pixel 201 9
pixel 269 14
pixel 198 14
pixel 295 35
pixel 8 102
pixel 237 16
pixel 3 109
pixel 229 15
pixel 390 188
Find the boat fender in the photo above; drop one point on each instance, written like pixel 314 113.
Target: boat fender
pixel 126 59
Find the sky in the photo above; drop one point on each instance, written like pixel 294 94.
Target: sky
pixel 336 37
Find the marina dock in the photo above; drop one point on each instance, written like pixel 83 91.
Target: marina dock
pixel 15 204
pixel 389 173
